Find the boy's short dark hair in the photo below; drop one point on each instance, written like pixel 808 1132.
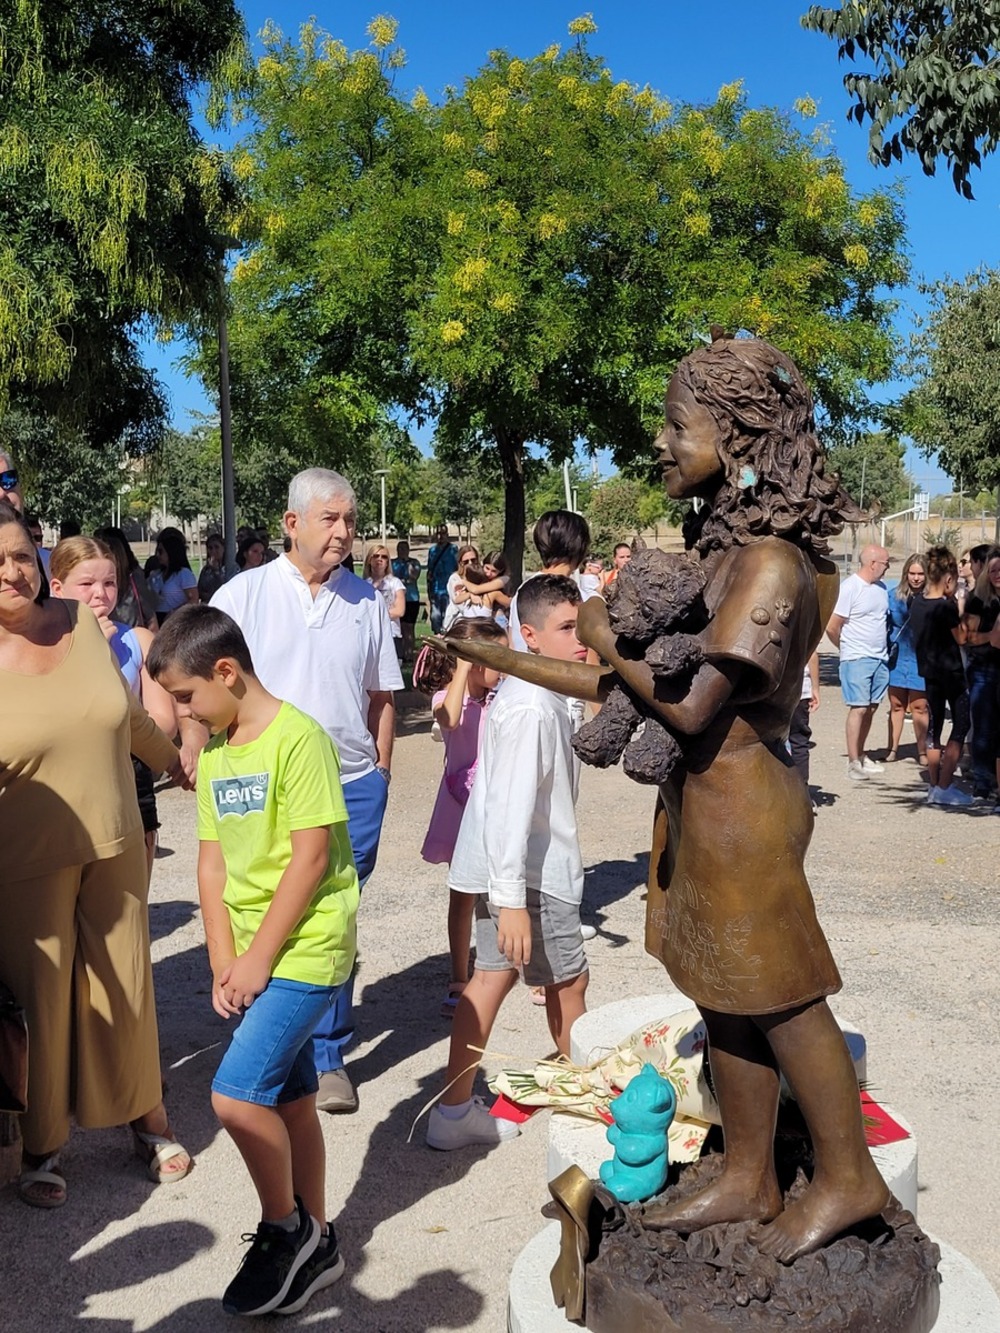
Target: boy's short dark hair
pixel 979 554
pixel 561 536
pixel 542 594
pixel 193 639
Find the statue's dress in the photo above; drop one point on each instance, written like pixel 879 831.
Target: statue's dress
pixel 729 911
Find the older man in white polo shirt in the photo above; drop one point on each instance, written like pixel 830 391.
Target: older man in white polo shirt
pixel 320 638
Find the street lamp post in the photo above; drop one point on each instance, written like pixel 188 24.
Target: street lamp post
pixel 382 473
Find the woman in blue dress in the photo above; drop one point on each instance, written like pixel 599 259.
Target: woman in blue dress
pixel 906 685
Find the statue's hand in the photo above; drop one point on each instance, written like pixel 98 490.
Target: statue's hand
pixel 593 628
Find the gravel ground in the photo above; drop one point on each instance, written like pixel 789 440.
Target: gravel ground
pixel 907 894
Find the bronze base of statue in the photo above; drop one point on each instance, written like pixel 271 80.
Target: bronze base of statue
pixel 881 1275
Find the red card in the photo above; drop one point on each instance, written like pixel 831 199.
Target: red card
pixel 885 1129
pixel 504 1109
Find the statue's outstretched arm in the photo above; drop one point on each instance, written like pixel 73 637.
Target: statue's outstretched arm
pixel 690 713
pixel 577 680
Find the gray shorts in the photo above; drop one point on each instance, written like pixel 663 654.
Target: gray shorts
pixel 556 940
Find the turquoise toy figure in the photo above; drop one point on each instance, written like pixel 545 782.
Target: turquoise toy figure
pixel 642 1115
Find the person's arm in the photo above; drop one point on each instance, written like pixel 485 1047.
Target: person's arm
pixel 973 637
pixel 448 713
pixel 246 976
pixel 148 743
pixel 382 725
pixel 814 682
pixel 215 921
pixel 156 701
pixel 398 604
pixel 491 585
pixel 834 628
pixel 523 755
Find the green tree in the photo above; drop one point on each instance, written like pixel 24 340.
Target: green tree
pixel 872 471
pixel 613 513
pixel 546 487
pixel 107 195
pixel 932 66
pixel 187 468
pixel 954 409
pixel 390 449
pixel 527 260
pixel 63 476
pixel 457 493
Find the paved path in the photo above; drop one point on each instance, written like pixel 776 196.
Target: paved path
pixel 908 895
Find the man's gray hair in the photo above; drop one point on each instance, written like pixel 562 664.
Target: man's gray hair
pixel 318 484
pixel 6 461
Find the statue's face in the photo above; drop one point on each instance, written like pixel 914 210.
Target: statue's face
pixel 688 446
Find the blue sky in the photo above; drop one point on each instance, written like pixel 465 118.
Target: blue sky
pixel 685 51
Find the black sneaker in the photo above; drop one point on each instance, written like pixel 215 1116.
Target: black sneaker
pixel 320 1270
pixel 270 1265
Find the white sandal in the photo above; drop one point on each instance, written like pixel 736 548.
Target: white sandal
pixel 156 1150
pixel 45 1173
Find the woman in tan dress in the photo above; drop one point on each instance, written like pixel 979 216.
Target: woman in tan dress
pixel 74 947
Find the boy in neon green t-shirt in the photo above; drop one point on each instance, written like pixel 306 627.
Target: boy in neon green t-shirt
pixel 279 898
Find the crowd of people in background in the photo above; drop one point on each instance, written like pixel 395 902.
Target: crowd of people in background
pixel 932 644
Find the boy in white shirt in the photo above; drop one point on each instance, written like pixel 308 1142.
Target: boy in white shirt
pixel 519 853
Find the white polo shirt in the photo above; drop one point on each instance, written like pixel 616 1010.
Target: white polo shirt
pixel 865 607
pixel 519 830
pixel 322 654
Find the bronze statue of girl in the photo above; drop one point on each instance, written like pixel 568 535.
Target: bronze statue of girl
pixel 729 910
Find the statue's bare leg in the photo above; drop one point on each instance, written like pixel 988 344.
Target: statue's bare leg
pixel 746 1084
pixel 846 1187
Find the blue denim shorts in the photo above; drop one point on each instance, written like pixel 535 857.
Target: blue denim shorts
pixel 864 681
pixel 270 1058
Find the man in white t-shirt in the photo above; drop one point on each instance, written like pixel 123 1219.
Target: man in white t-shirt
pixel 858 628
pixel 320 637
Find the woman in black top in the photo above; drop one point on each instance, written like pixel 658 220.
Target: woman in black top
pixel 937 633
pixel 982 608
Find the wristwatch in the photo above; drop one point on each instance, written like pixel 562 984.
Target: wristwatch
pixel 385 773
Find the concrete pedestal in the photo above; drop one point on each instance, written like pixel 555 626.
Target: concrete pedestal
pixel 968 1302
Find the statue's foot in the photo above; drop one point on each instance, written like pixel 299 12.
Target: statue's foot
pixel 818 1216
pixel 728 1199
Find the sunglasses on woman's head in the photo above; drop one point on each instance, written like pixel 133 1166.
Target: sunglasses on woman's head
pixel 8 480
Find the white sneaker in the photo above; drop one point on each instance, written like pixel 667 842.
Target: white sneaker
pixel 954 796
pixel 872 766
pixel 855 771
pixel 476 1126
pixel 588 932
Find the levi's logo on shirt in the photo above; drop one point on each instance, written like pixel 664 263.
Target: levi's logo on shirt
pixel 240 796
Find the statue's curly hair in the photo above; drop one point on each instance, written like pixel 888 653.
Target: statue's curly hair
pixel 775 483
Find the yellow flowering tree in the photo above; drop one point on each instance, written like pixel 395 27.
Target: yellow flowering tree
pixel 525 260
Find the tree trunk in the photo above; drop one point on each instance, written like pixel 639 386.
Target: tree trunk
pixel 511 449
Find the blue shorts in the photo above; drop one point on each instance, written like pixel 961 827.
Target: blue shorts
pixel 270 1058
pixel 864 681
